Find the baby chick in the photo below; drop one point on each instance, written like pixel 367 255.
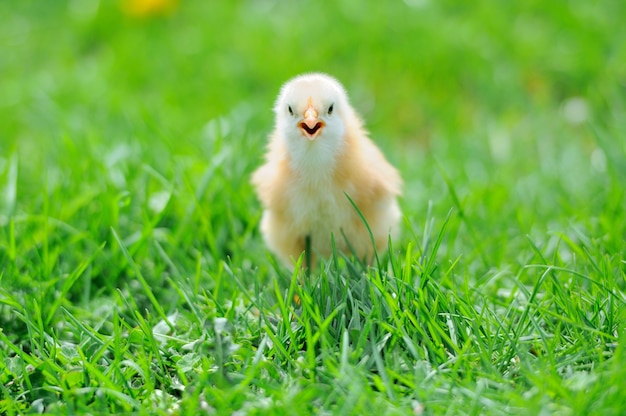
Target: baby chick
pixel 318 154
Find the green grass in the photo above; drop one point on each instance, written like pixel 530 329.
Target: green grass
pixel 133 278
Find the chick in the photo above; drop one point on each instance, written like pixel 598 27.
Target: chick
pixel 318 153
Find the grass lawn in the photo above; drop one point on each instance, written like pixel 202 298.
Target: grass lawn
pixel 133 278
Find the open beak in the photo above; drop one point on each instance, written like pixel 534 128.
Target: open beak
pixel 311 126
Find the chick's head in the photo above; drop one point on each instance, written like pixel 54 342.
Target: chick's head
pixel 312 108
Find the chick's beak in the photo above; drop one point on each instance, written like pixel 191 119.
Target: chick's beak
pixel 311 126
pixel 310 117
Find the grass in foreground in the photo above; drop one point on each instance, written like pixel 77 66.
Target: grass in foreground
pixel 132 275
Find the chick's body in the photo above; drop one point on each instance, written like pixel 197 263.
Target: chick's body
pixel 318 154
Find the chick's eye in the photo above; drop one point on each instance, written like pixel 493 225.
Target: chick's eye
pixel 330 109
pixel 290 110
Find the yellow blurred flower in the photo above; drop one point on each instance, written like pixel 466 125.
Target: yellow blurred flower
pixel 148 8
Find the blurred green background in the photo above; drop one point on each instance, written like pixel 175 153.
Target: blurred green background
pixel 415 69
